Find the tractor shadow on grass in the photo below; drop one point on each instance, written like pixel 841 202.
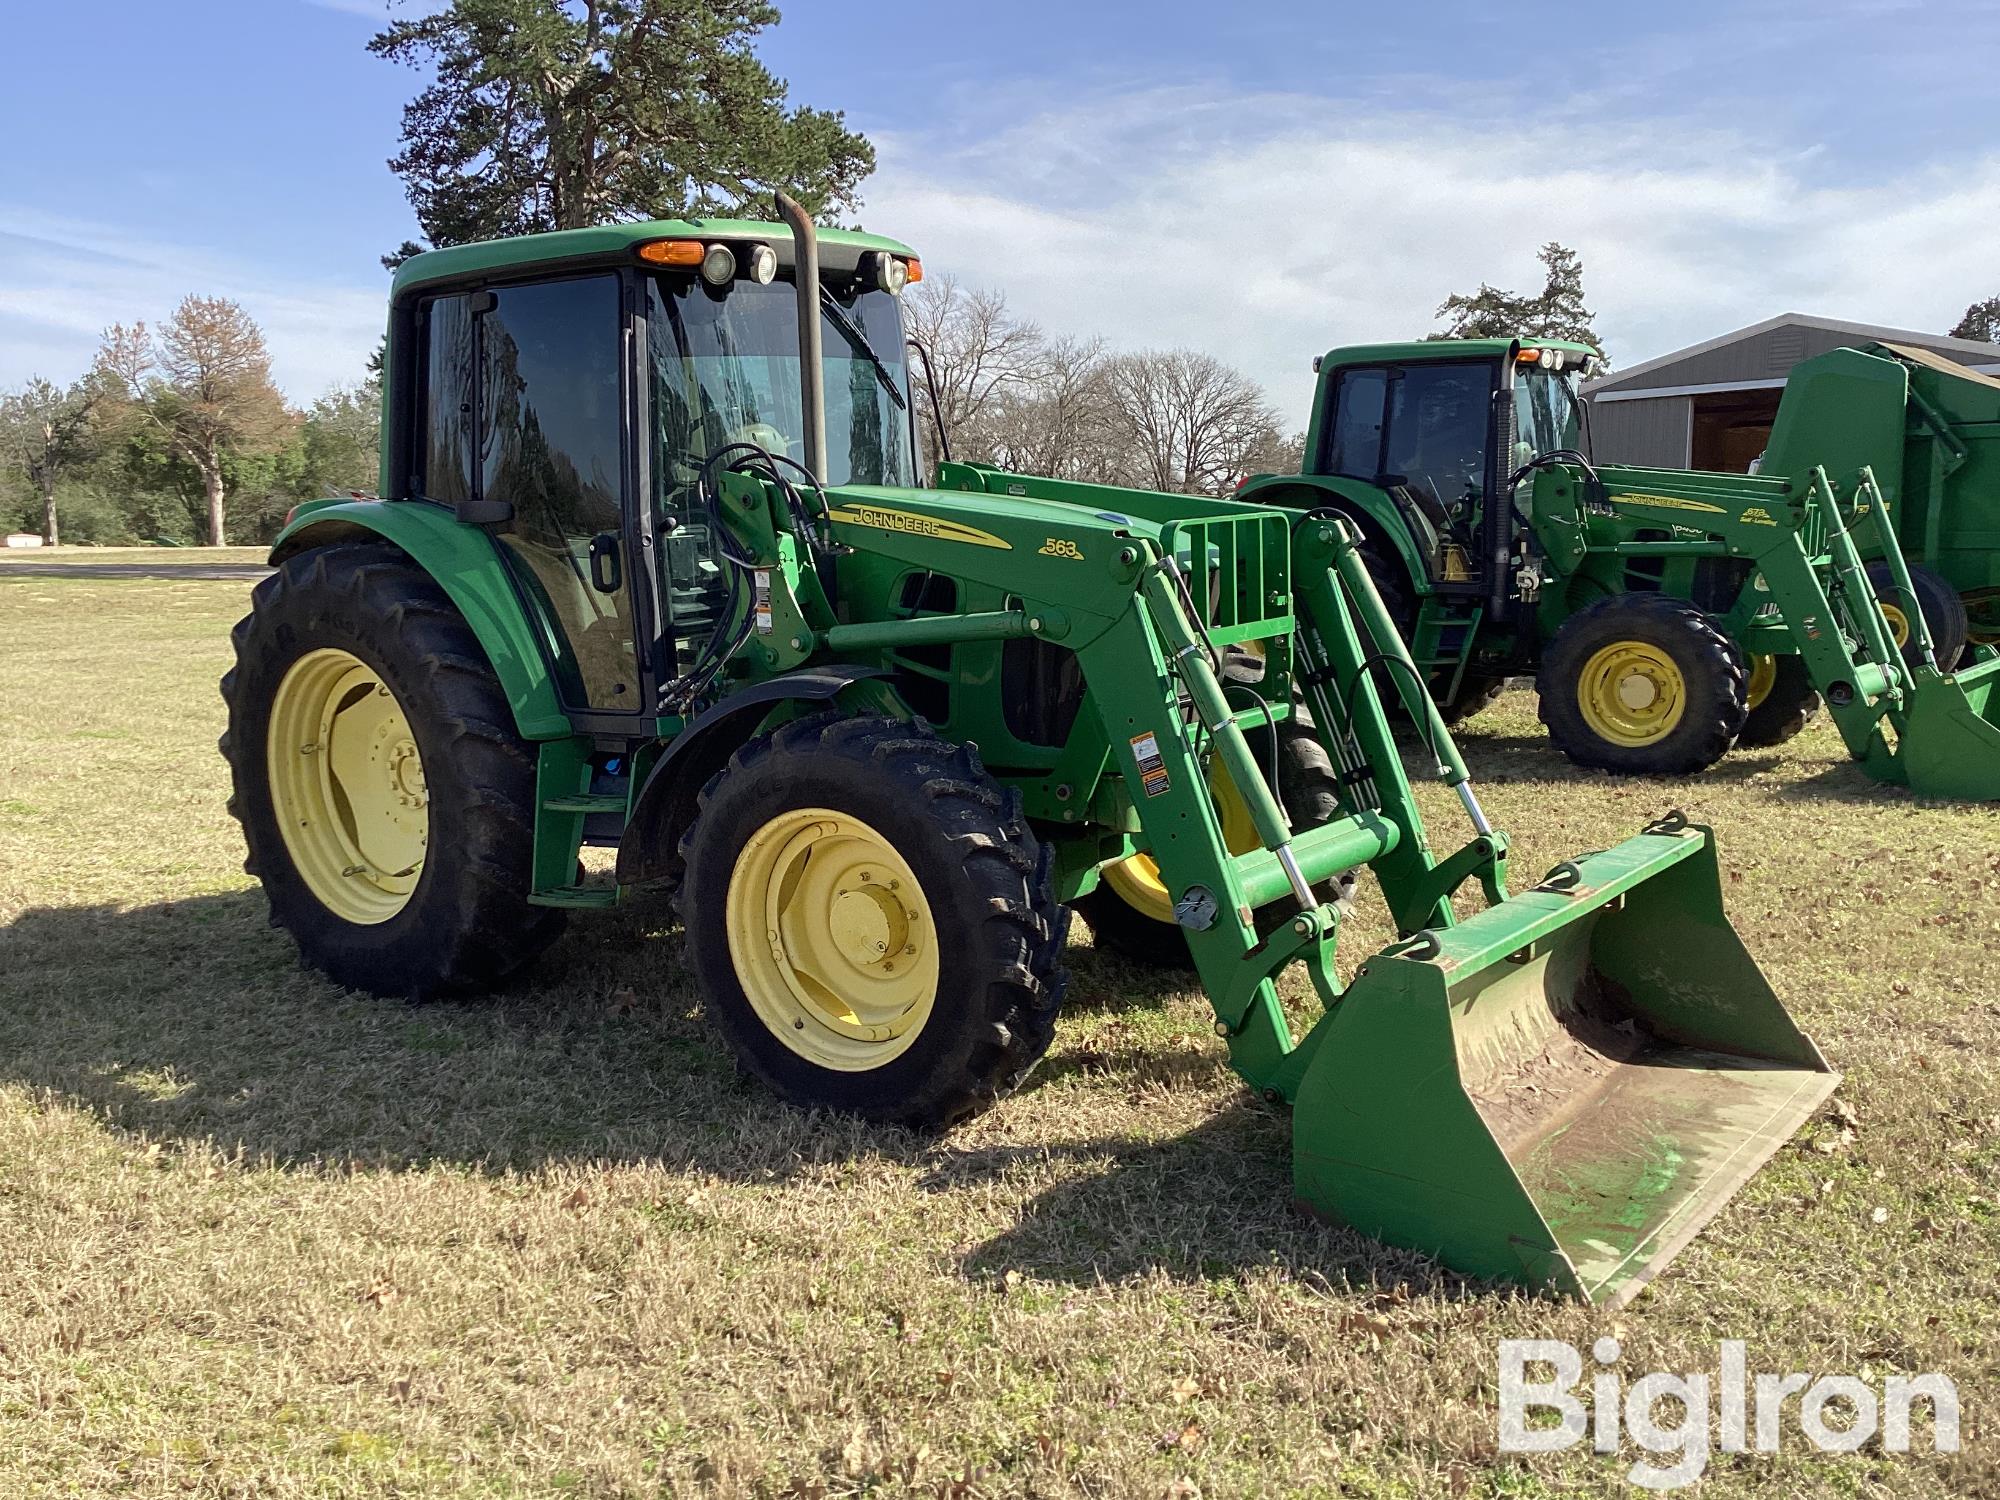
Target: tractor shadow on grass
pixel 193 1020
pixel 1211 1203
pixel 190 1023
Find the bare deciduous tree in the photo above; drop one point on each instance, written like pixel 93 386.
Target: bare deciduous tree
pixel 1191 423
pixel 46 429
pixel 203 385
pixel 1061 421
pixel 968 350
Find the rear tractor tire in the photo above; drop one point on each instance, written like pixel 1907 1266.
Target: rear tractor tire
pixel 1780 700
pixel 1642 684
pixel 386 801
pixel 871 922
pixel 1131 911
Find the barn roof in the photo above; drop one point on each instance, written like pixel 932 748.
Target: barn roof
pixel 1761 354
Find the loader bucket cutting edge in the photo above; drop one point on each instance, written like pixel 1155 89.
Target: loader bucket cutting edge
pixel 1565 1091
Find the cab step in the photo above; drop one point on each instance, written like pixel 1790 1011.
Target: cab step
pixel 576 897
pixel 586 802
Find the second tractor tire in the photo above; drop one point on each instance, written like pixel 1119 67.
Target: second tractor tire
pixel 1642 684
pixel 1780 700
pixel 1943 609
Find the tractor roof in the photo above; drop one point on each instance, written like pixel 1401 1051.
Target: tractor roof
pixel 840 249
pixel 1422 349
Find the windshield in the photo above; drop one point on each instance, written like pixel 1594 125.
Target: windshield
pixel 725 368
pixel 1545 413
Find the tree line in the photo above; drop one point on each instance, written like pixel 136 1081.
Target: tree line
pixel 994 388
pixel 177 434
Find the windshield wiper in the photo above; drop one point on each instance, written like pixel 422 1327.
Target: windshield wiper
pixel 838 316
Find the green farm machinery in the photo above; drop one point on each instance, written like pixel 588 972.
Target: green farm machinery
pixel 652 572
pixel 1669 615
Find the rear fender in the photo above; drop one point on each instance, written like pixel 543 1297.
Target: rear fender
pixel 1370 509
pixel 665 806
pixel 463 561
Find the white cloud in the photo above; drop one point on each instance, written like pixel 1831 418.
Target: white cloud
pixel 1261 228
pixel 1267 229
pixel 62 281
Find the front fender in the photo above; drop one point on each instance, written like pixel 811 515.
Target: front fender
pixel 469 569
pixel 665 805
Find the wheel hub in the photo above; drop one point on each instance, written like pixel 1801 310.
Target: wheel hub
pixel 1632 693
pixel 347 786
pixel 1638 692
pixel 832 939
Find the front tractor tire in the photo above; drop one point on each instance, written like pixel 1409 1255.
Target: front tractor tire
pixel 1643 684
pixel 871 923
pixel 387 804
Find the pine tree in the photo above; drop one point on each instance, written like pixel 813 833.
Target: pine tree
pixel 1558 312
pixel 1981 322
pixel 561 114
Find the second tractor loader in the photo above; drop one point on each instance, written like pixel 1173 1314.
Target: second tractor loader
pixel 1670 615
pixel 652 572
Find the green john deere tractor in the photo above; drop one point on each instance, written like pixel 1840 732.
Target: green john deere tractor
pixel 652 572
pixel 1669 615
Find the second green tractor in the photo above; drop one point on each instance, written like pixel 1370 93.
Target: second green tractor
pixel 1669 615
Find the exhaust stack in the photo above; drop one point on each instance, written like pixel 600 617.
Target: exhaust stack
pixel 812 391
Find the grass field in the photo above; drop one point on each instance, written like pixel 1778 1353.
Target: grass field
pixel 263 1237
pixel 132 555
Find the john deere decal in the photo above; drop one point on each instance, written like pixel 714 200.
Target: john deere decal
pixel 880 518
pixel 1670 502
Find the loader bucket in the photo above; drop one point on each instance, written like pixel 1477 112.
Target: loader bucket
pixel 1561 1090
pixel 1950 742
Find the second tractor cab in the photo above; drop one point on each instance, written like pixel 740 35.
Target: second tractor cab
pixel 1422 445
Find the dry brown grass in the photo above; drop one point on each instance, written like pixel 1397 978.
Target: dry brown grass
pixel 268 1238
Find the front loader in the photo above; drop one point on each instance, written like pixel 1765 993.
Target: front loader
pixel 652 573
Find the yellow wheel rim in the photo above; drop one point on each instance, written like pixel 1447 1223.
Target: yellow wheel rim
pixel 832 939
pixel 1136 879
pixel 1631 693
pixel 1899 624
pixel 347 785
pixel 1763 676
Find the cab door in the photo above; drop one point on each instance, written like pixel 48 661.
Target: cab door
pixel 547 465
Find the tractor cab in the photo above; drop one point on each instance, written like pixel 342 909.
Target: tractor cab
pixel 1420 439
pixel 570 403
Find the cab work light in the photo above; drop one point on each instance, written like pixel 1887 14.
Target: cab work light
pixel 686 253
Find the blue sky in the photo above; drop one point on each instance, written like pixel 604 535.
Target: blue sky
pixel 1261 182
